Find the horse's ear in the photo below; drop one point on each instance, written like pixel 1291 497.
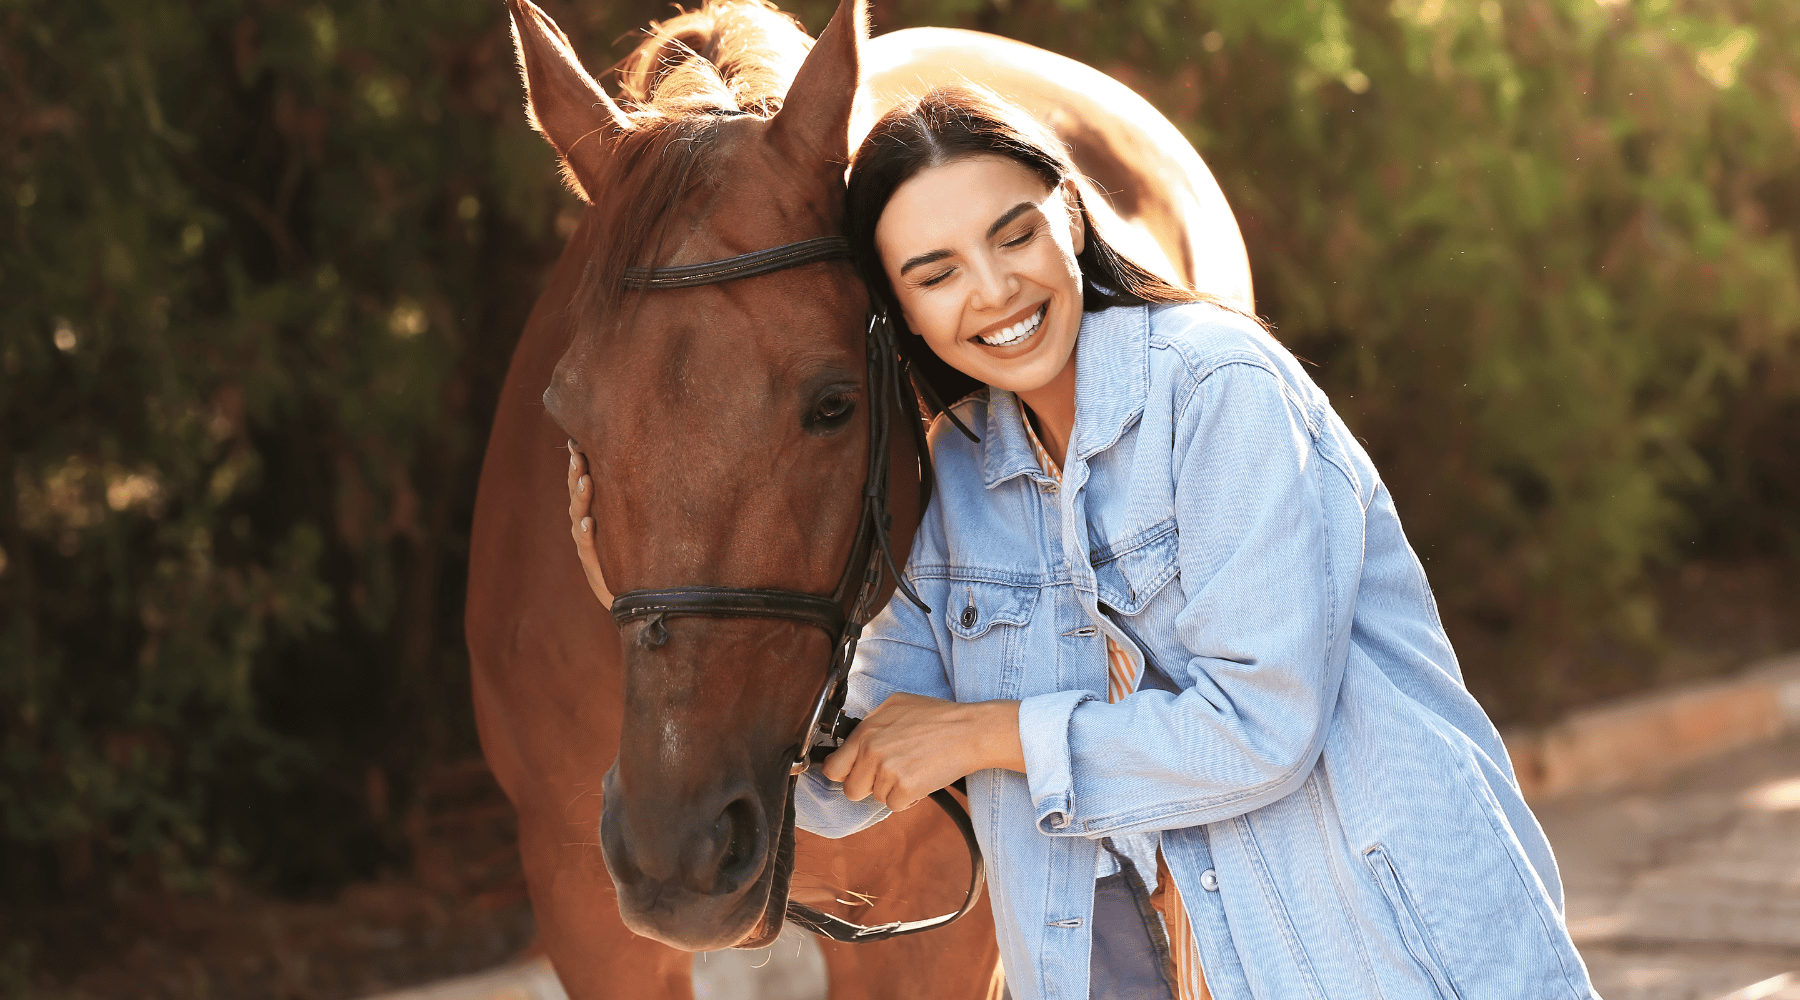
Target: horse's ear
pixel 814 122
pixel 562 100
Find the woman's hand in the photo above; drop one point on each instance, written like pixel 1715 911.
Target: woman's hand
pixel 912 746
pixel 581 524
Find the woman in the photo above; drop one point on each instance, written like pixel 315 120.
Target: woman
pixel 1214 734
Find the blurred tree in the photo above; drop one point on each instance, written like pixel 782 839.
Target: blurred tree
pixel 264 264
pixel 262 271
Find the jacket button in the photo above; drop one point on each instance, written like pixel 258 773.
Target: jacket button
pixel 968 617
pixel 1209 880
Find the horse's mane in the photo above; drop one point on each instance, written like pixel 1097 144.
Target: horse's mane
pixel 692 71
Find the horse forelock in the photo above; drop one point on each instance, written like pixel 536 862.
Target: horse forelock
pixel 737 55
pixel 728 56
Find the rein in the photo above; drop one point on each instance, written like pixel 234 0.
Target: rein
pixel 827 727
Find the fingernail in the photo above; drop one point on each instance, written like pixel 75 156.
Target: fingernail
pixel 571 461
pixel 581 485
pixel 571 444
pixel 586 523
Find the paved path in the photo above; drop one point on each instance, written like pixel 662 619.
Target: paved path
pixel 1689 889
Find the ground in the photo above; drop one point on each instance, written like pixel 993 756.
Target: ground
pixel 1688 889
pixel 370 939
pixel 459 909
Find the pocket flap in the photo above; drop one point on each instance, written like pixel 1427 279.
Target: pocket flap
pixel 1128 576
pixel 974 607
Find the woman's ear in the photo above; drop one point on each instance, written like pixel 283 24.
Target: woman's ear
pixel 1077 216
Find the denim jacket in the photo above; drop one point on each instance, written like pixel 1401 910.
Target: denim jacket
pixel 1338 813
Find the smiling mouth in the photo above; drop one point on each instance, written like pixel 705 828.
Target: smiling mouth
pixel 1018 332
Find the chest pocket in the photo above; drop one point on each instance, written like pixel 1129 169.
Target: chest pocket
pixel 976 607
pixel 987 637
pixel 1130 572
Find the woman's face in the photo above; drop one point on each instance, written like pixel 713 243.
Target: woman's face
pixel 981 255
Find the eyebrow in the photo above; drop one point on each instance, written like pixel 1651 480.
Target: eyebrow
pixel 1012 213
pixel 936 255
pixel 923 259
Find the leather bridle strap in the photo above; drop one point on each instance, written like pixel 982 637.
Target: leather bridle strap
pixel 747 265
pixel 729 602
pixel 839 929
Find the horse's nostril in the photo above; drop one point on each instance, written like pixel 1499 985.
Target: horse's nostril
pixel 739 829
pixel 722 857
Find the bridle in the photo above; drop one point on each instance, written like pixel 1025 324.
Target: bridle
pixel 827 727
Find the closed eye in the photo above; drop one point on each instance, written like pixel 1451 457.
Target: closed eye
pixel 937 279
pixel 1021 239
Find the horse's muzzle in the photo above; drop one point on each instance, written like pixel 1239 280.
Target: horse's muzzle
pixel 689 874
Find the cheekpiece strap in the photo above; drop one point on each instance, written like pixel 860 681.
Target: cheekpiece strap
pixel 746 265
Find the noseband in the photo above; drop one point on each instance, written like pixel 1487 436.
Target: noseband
pixel 828 726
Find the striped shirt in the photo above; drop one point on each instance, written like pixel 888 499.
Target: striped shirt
pixel 1122 679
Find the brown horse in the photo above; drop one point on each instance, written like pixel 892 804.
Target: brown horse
pixel 727 428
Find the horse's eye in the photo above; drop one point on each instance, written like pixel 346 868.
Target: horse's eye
pixel 833 411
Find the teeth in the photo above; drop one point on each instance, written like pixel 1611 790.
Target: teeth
pixel 1016 332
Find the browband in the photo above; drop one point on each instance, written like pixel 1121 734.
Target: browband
pixel 746 265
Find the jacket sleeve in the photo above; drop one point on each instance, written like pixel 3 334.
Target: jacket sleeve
pixel 898 652
pixel 1256 626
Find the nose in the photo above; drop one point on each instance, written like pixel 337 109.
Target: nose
pixel 712 849
pixel 994 284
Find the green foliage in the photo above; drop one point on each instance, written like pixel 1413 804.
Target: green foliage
pixel 263 266
pixel 261 271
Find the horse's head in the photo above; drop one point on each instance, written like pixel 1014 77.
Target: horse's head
pixel 726 427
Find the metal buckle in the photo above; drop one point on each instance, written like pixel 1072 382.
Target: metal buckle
pixel 804 759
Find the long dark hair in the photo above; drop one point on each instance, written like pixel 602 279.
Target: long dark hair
pixel 947 124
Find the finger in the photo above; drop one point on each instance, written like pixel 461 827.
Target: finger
pixel 588 550
pixel 859 783
pixel 896 795
pixel 581 497
pixel 908 793
pixel 583 530
pixel 839 763
pixel 851 753
pixel 856 786
pixel 583 541
pixel 577 508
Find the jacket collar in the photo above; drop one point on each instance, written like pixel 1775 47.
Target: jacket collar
pixel 1112 380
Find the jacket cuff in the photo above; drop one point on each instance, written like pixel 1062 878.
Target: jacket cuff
pixel 1044 738
pixel 820 807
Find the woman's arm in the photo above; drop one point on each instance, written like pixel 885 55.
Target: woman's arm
pixel 1258 623
pixel 913 745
